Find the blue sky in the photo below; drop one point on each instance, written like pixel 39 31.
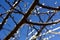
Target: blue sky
pixel 23 31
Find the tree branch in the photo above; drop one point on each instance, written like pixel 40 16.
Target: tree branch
pixel 46 23
pixel 47 7
pixel 9 12
pixel 22 21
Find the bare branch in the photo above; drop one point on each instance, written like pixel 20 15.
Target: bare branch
pixel 47 7
pixel 46 23
pixel 22 21
pixel 9 12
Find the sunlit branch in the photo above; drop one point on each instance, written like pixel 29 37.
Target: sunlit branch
pixel 31 32
pixel 55 32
